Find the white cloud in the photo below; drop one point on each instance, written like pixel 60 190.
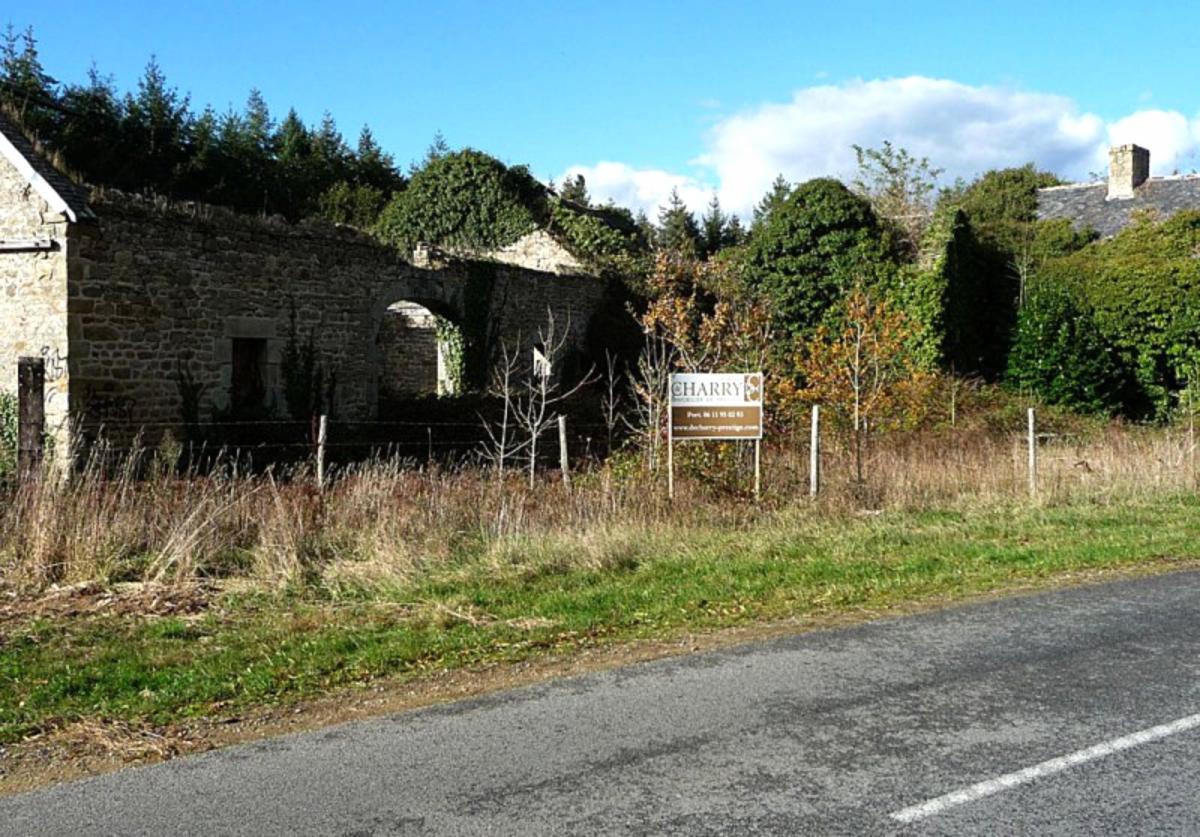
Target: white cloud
pixel 961 128
pixel 644 189
pixel 1173 140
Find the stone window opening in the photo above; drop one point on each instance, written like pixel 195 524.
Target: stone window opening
pixel 542 366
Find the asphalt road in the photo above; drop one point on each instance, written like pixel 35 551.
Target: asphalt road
pixel 1072 712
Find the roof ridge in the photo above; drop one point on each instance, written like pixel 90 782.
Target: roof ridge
pixel 1063 186
pixel 1158 178
pixel 56 188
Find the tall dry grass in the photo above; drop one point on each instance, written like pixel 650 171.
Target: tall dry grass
pixel 383 523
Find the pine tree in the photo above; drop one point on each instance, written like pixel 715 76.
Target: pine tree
pixel 735 233
pixel 88 134
pixel 257 155
pixel 677 229
pixel 646 229
pixel 205 166
pixel 260 129
pixel 228 181
pixel 714 228
pixel 330 155
pixel 24 83
pixel 155 127
pixel 375 167
pixel 574 189
pixel 293 142
pixel 780 189
pixel 294 152
pixel 900 188
pixel 437 149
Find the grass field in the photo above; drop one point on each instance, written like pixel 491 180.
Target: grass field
pixel 170 645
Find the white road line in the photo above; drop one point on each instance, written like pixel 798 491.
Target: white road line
pixel 1047 768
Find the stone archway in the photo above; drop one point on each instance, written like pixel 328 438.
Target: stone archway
pixel 420 352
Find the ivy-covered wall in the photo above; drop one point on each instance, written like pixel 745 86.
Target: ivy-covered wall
pixel 1143 288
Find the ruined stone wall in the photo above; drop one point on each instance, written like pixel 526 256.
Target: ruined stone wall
pixel 540 251
pixel 33 294
pixel 159 294
pixel 527 302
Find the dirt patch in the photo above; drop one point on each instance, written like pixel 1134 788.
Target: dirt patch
pixel 95 747
pixel 93 599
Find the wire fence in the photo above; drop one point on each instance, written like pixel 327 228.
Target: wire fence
pixel 288 441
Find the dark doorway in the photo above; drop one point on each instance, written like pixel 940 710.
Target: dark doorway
pixel 248 377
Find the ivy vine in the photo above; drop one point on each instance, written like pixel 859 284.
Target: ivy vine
pixel 468 200
pixel 8 434
pixel 452 347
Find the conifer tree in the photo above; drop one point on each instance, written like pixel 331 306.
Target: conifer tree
pixel 677 229
pixel 330 155
pixel 294 151
pixel 772 200
pixel 714 228
pixel 89 128
pixel 574 189
pixel 646 229
pixel 735 233
pixel 24 83
pixel 437 149
pixel 156 125
pixel 373 166
pixel 205 166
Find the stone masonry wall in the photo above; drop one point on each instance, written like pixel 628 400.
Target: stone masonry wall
pixel 538 251
pixel 159 293
pixel 33 295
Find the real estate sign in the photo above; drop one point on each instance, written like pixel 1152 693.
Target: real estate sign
pixel 716 405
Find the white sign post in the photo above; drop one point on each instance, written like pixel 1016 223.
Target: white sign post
pixel 704 405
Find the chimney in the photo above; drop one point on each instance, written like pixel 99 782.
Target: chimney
pixel 1128 168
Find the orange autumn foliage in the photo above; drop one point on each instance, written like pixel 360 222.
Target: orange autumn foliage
pixel 862 370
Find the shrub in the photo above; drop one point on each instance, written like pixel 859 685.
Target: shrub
pixel 1059 353
pixel 8 434
pixel 466 199
pixel 812 247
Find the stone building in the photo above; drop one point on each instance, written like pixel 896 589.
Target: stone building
pixel 151 314
pixel 1109 206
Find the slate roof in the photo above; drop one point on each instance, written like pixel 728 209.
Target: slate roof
pixel 1087 204
pixel 72 199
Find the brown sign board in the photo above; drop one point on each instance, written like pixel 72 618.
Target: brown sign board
pixel 716 405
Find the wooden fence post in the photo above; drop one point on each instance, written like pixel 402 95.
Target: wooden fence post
pixel 1032 454
pixel 814 453
pixel 563 463
pixel 31 416
pixel 322 435
pixel 670 454
pixel 1191 439
pixel 758 469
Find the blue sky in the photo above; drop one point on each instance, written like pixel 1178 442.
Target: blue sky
pixel 643 96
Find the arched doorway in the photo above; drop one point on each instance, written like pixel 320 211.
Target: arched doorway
pixel 420 353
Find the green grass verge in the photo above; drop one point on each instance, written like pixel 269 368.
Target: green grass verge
pixel 254 649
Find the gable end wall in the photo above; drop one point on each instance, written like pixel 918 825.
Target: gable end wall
pixel 33 294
